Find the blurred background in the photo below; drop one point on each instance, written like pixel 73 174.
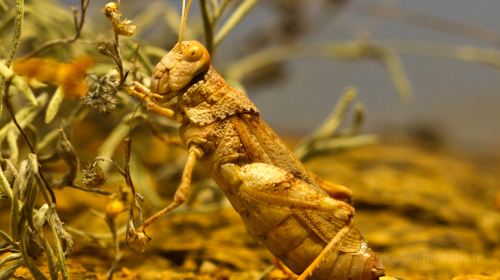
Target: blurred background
pixel 454 100
pixel 426 195
pixel 457 100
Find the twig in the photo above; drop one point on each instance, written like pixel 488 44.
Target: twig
pixel 91 190
pixel 14 120
pixel 120 28
pixel 78 22
pixel 128 178
pixel 119 60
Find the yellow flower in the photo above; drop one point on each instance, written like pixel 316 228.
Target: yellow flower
pixel 114 208
pixel 69 76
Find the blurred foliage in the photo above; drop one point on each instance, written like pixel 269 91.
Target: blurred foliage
pixel 62 77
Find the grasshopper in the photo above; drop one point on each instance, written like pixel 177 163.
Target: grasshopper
pixel 304 221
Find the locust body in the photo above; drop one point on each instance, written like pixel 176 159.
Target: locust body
pixel 304 221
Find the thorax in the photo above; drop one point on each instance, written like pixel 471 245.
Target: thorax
pixel 211 100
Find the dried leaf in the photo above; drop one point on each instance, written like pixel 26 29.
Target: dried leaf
pixel 93 176
pixel 19 83
pixel 54 105
pixel 8 270
pixel 4 185
pixel 66 151
pixel 24 240
pixel 6 237
pixel 58 227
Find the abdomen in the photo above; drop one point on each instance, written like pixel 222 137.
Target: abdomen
pixel 244 139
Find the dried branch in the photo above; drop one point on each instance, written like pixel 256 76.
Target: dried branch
pixel 78 22
pixel 207 26
pixel 120 28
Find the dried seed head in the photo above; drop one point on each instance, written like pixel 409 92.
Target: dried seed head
pixel 137 241
pixel 102 93
pixel 126 28
pixel 103 50
pixel 122 27
pixel 111 9
pixel 93 176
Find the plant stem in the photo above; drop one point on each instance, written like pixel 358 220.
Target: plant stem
pixel 235 18
pixel 207 26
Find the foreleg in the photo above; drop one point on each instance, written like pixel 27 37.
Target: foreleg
pixel 184 189
pixel 140 91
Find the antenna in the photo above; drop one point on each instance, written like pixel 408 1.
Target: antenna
pixel 185 12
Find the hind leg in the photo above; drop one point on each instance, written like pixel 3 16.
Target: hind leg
pixel 268 185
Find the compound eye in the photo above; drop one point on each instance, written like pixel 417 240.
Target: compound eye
pixel 193 52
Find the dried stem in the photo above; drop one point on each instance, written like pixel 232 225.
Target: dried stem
pixel 240 12
pixel 91 190
pixel 207 26
pixel 118 59
pixel 14 120
pixel 128 178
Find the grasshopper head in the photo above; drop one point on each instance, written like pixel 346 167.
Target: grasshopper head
pixel 179 67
